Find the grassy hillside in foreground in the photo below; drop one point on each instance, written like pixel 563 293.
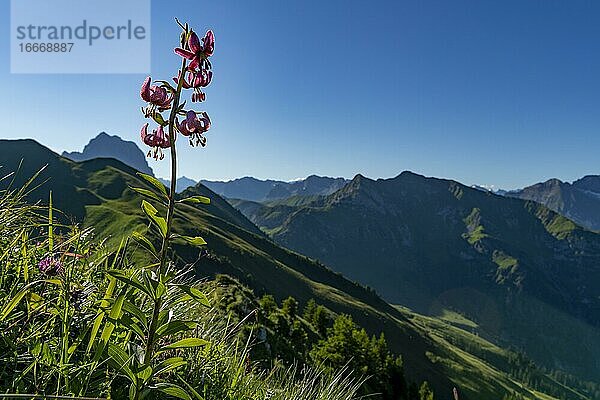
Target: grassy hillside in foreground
pixel 97 193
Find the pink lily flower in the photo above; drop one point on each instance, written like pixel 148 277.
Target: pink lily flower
pixel 197 52
pixel 156 95
pixel 196 80
pixel 158 140
pixel 194 127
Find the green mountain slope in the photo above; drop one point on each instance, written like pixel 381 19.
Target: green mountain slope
pixel 529 277
pixel 97 193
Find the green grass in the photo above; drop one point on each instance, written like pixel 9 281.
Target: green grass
pixel 455 318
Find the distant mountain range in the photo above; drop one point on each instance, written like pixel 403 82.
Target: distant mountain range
pixel 112 146
pixel 513 266
pixel 182 183
pixel 579 201
pixel 263 190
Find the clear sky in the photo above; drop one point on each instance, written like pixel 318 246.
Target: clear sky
pixel 503 93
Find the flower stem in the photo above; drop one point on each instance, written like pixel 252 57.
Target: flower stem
pixel 149 351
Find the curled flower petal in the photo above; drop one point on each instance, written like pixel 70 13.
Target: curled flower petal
pixel 145 90
pixel 144 132
pixel 184 53
pixel 209 43
pixel 194 43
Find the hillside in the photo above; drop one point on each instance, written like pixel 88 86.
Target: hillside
pixel 529 277
pixel 578 201
pixel 97 193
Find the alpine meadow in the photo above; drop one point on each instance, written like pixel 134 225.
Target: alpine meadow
pixel 301 201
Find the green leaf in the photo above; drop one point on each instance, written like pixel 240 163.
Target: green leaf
pixel 120 361
pixel 13 303
pixel 19 296
pixel 195 200
pixel 147 193
pixel 157 288
pixel 149 208
pixel 186 343
pixel 169 364
pixel 95 329
pixel 191 389
pixel 152 212
pixel 194 241
pixel 131 282
pixel 195 294
pixel 115 313
pixel 136 312
pixel 175 327
pixel 141 238
pixel 128 323
pixel 159 119
pixel 160 289
pixel 154 182
pixel 145 373
pixel 98 320
pixel 132 392
pixel 173 390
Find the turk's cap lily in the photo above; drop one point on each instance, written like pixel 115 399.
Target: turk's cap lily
pixel 155 95
pixel 192 124
pixel 194 127
pixel 198 52
pixel 195 79
pixel 157 139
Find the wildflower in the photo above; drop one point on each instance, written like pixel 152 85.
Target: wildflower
pixel 157 96
pixel 198 53
pixel 50 266
pixel 158 140
pixel 195 80
pixel 193 127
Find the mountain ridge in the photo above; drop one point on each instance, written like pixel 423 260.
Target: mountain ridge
pixel 579 200
pixel 253 189
pixel 426 242
pixel 112 146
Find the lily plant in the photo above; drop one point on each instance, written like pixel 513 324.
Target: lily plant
pixel 141 332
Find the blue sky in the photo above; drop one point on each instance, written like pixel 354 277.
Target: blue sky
pixel 495 93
